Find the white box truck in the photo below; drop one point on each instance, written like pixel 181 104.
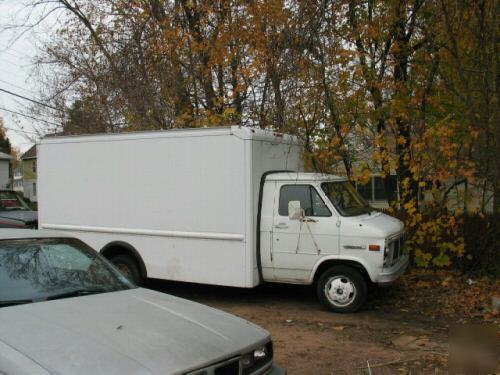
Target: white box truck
pixel 225 206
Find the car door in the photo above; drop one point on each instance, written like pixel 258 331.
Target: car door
pixel 297 244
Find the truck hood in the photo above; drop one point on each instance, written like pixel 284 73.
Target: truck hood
pixel 136 331
pixel 21 215
pixel 381 225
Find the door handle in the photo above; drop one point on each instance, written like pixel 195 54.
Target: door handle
pixel 309 220
pixel 281 226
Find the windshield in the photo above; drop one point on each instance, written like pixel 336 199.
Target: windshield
pixel 345 198
pixel 10 201
pixel 39 269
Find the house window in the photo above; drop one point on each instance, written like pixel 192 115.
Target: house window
pixel 33 166
pixel 365 190
pixel 375 189
pixel 34 189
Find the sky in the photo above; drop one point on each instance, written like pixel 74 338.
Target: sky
pixel 17 52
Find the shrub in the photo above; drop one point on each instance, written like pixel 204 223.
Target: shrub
pixel 468 242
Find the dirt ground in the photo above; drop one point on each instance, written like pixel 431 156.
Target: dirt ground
pixel 383 338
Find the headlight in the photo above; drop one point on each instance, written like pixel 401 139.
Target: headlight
pixel 257 358
pixel 260 353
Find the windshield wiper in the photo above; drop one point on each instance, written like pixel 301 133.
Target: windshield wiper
pixel 15 302
pixel 77 293
pixel 68 294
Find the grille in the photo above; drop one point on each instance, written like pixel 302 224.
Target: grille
pixel 397 248
pixel 232 368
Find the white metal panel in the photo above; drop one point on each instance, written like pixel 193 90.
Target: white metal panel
pixel 178 200
pixel 184 184
pixel 204 261
pixel 297 245
pixel 268 156
pixel 186 200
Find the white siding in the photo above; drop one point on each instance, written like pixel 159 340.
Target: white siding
pixel 4 174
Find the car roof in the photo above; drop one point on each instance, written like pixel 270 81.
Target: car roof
pixel 17 234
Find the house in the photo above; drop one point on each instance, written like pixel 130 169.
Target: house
pixel 28 165
pixel 17 180
pixel 5 171
pixel 375 191
pixel 455 196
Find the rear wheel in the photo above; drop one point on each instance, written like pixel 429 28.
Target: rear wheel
pixel 128 267
pixel 342 289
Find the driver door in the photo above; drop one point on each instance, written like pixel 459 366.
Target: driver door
pixel 298 244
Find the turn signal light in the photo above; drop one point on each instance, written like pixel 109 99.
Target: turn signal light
pixel 374 247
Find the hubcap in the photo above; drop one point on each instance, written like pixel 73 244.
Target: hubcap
pixel 340 291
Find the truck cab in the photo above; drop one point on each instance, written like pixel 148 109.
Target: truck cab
pixel 316 228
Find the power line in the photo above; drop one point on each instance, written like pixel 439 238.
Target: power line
pixel 20 88
pixel 28 116
pixel 12 51
pixel 29 99
pixel 16 86
pixel 13 54
pixel 21 131
pixel 9 62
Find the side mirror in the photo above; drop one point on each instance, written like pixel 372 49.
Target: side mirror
pixel 295 212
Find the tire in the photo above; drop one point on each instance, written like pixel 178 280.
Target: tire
pixel 128 267
pixel 342 289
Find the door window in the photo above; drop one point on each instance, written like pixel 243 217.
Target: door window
pixel 310 200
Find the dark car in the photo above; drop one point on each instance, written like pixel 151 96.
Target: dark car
pixel 15 212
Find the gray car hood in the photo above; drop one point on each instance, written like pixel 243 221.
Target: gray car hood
pixel 135 331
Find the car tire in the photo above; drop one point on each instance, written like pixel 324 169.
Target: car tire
pixel 128 267
pixel 342 289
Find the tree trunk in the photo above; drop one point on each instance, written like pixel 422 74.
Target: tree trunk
pixel 401 52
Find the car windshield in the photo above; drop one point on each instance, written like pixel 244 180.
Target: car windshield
pixel 10 201
pixel 34 270
pixel 345 198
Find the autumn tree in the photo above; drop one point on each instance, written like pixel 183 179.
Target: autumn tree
pixel 5 145
pixel 404 88
pixel 470 76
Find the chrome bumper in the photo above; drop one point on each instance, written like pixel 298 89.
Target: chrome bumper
pixel 389 275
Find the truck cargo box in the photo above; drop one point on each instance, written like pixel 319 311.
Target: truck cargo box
pixel 185 200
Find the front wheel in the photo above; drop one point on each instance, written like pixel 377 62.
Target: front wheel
pixel 128 267
pixel 342 289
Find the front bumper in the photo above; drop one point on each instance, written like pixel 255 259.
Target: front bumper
pixel 275 370
pixel 390 275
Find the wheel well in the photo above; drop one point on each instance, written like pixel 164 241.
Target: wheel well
pixel 122 248
pixel 337 262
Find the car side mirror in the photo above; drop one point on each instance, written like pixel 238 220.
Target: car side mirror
pixel 295 212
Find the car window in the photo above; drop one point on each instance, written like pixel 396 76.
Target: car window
pixel 310 200
pixel 62 256
pixel 345 198
pixel 38 269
